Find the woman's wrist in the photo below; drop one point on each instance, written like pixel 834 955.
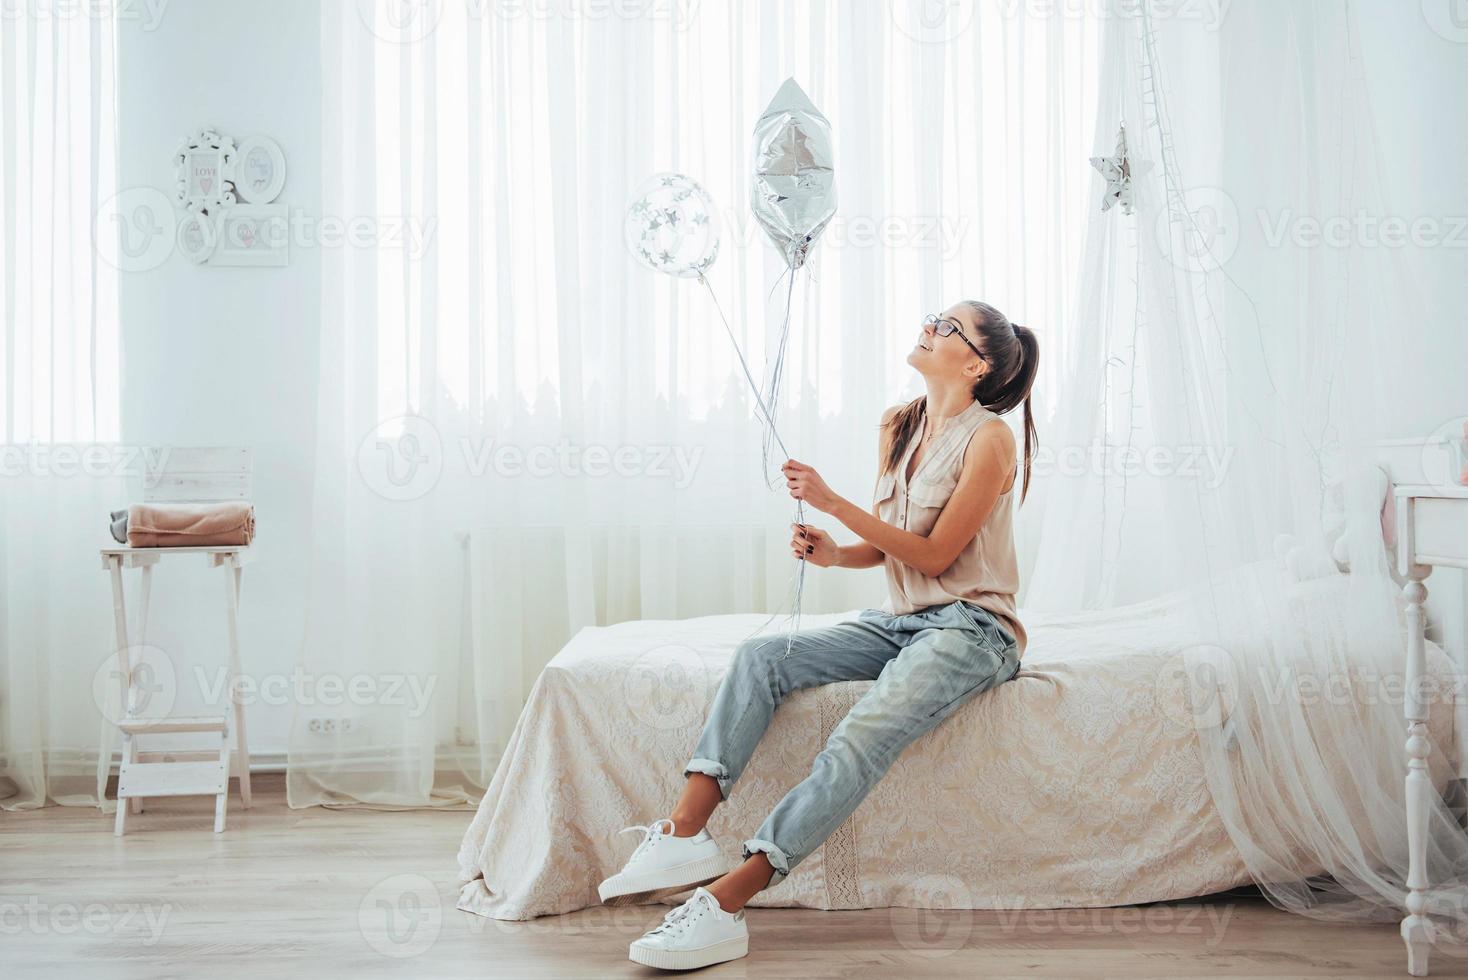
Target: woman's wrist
pixel 841 510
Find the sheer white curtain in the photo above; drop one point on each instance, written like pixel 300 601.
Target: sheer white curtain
pixel 523 433
pixel 58 395
pixel 1230 371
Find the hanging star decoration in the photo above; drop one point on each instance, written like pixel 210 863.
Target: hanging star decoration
pixel 1117 169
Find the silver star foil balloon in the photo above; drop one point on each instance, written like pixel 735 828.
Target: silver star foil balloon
pixel 793 194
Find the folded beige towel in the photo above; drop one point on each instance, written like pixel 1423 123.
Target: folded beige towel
pixel 190 525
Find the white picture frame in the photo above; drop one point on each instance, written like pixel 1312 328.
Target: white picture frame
pixel 203 170
pixel 197 237
pixel 259 170
pixel 253 235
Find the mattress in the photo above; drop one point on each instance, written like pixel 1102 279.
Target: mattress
pixel 1077 784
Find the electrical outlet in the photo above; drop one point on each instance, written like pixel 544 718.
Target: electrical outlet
pixel 331 726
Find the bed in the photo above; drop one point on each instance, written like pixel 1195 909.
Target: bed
pixel 1079 782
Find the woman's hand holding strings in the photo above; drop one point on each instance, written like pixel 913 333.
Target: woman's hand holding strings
pixel 806 484
pixel 814 545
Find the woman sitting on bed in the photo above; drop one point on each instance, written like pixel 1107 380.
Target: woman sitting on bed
pixel 940 525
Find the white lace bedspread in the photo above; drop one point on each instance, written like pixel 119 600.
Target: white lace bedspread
pixel 1077 784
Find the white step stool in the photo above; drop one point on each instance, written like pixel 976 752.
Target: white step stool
pixel 192 476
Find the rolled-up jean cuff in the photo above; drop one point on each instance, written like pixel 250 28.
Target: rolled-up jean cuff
pixel 777 858
pixel 710 768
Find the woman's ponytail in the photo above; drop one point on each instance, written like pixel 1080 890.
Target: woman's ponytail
pixel 1024 379
pixel 1013 353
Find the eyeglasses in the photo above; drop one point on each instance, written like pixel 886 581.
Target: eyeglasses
pixel 945 326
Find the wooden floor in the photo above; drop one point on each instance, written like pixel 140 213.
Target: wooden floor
pixel 324 894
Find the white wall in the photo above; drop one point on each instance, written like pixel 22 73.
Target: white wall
pixel 227 356
pixel 1417 64
pixel 1418 78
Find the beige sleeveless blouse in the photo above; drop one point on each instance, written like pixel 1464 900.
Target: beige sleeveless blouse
pixel 986 572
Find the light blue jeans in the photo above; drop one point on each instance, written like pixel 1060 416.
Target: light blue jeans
pixel 926 665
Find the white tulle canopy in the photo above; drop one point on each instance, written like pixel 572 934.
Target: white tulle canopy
pixel 1227 387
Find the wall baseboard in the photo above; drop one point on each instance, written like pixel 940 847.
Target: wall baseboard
pixel 466 760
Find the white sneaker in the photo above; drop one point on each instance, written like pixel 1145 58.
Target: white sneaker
pixel 664 865
pixel 696 933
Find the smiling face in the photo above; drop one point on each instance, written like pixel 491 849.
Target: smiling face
pixel 949 357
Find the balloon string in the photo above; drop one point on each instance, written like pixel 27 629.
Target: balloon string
pixel 774 430
pixel 749 377
pixel 773 397
pixel 777 372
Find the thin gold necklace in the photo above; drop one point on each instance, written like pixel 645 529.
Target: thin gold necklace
pixel 930 431
pixel 928 435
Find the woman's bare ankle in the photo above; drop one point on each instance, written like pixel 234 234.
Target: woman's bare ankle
pixel 735 889
pixel 686 825
pixel 700 796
